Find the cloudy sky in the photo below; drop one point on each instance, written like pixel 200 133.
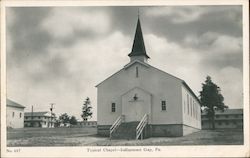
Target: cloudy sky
pixel 58 54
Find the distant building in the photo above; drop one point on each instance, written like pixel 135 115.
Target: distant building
pixel 39 119
pixel 230 118
pixel 15 114
pixel 87 123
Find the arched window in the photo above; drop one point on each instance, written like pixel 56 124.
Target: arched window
pixel 163 105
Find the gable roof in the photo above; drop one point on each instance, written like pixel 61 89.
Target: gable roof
pixel 138 48
pixel 11 103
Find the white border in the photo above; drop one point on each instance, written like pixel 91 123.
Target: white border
pixel 166 151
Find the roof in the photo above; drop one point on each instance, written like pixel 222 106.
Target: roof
pixel 227 112
pixel 138 48
pixel 13 104
pixel 44 113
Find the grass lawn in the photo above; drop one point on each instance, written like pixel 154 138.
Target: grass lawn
pixel 88 137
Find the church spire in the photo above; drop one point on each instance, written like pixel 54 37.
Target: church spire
pixel 138 49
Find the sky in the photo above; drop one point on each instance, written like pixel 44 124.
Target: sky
pixel 59 54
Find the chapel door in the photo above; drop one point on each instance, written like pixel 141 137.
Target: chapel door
pixel 135 104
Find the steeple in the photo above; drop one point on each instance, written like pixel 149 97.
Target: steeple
pixel 138 50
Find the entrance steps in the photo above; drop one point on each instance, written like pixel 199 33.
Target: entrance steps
pixel 127 130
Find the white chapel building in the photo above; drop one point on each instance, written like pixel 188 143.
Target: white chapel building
pixel 142 101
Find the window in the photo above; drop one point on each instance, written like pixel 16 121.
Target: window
pixel 163 105
pixel 13 114
pixel 113 107
pixel 219 123
pixel 217 116
pixel 39 117
pixel 226 116
pixel 137 74
pixel 26 117
pixel 236 116
pixel 188 103
pixel 227 123
pixel 20 115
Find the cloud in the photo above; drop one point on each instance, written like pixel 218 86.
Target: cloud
pixel 26 40
pixel 178 14
pixel 227 44
pixel 67 22
pixel 219 50
pixel 230 79
pixel 224 20
pixel 10 20
pixel 215 42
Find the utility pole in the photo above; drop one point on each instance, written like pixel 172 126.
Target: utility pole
pixel 51 110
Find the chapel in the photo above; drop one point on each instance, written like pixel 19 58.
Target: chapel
pixel 141 101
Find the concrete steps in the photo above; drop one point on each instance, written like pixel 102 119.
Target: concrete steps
pixel 126 130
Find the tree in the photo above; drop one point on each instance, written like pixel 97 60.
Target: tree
pixel 57 122
pixel 86 110
pixel 211 99
pixel 73 120
pixel 64 118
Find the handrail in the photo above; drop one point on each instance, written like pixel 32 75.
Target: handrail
pixel 116 124
pixel 141 126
